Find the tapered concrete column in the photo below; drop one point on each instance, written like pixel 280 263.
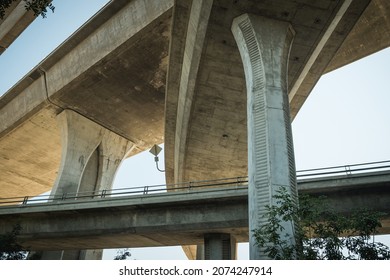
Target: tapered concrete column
pixel 264 46
pixel 91 156
pixel 219 246
pixel 113 149
pixel 80 139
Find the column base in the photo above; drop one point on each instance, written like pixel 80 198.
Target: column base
pixel 219 246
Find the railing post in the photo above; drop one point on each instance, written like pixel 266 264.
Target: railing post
pixel 348 170
pixel 25 200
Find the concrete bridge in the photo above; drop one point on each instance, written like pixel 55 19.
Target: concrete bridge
pixel 190 214
pixel 192 74
pixel 16 19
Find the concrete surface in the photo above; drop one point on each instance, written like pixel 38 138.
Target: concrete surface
pixel 158 220
pixel 90 158
pixel 216 142
pixel 87 72
pixel 264 46
pixel 374 27
pixel 15 21
pixel 137 105
pixel 173 218
pixel 124 70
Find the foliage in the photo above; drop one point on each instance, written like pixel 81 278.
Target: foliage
pixel 320 233
pixel 39 7
pixel 122 254
pixel 9 248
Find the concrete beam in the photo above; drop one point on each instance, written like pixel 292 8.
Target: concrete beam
pixel 180 16
pixel 15 21
pixel 161 220
pixel 196 33
pixel 332 184
pixel 100 90
pixel 172 218
pixel 369 35
pixel 198 18
pixel 98 38
pixel 336 32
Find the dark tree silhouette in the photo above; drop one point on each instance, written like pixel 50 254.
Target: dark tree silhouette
pixel 9 248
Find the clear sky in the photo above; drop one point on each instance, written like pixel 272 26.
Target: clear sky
pixel 345 120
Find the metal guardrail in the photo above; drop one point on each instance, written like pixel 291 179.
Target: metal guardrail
pixel 317 173
pixel 123 192
pixel 344 170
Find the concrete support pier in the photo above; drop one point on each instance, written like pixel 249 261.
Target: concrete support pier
pixel 91 155
pixel 219 246
pixel 264 46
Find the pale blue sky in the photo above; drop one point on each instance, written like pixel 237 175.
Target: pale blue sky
pixel 345 120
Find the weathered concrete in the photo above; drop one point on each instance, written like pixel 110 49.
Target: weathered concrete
pixel 91 156
pixel 369 35
pixel 15 21
pixel 196 33
pixel 156 220
pixel 172 218
pixel 216 141
pixel 89 74
pixel 219 246
pixel 92 67
pixel 333 184
pixel 264 46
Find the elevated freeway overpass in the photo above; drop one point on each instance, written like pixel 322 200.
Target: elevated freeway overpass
pixel 150 216
pixel 88 74
pixel 143 72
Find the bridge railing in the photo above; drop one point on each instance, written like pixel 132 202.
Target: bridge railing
pixel 344 170
pixel 122 192
pixel 317 173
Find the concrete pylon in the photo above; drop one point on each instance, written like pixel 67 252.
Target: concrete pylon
pixel 91 155
pixel 219 246
pixel 264 45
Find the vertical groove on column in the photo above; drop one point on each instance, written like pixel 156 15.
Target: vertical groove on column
pixel 257 112
pixel 287 121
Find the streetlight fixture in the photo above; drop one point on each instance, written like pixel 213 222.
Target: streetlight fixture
pixel 155 150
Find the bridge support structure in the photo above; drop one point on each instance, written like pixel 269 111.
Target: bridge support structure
pixel 91 155
pixel 264 46
pixel 219 246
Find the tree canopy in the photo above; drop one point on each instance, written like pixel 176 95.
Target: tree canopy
pixel 321 234
pixel 39 7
